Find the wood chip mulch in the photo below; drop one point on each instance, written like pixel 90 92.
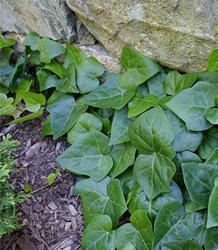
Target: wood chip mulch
pixel 52 216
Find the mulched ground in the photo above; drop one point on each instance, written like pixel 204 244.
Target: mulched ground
pixel 52 216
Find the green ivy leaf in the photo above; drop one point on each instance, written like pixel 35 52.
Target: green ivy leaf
pixel 46 79
pixel 17 71
pixel 208 77
pixel 123 156
pixel 5 101
pixel 178 245
pixel 64 114
pixel 139 69
pixel 73 55
pixel 138 200
pixel 51 177
pixel 27 117
pixel 209 143
pixel 7 43
pixel 49 49
pixel 180 158
pixel 8 110
pixel 192 104
pixel 109 94
pixel 213 159
pixel 212 115
pixel 138 233
pixel 7 52
pixel 35 57
pixel 56 67
pixel 150 131
pixel 154 173
pixel 211 239
pixel 184 139
pixel 87 74
pixel 172 225
pixel 212 220
pixel 47 127
pixel 199 179
pixel 31 40
pixel 84 125
pixel 33 101
pixel 104 197
pixel 155 85
pixel 120 126
pixel 213 61
pixel 89 156
pixel 139 104
pixel 99 234
pixel 174 82
pixel 68 83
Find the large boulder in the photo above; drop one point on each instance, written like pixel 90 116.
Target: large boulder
pixel 47 17
pixel 176 33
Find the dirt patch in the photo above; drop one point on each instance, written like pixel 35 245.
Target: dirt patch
pixel 52 216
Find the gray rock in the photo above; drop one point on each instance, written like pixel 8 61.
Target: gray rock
pixel 50 18
pixel 176 33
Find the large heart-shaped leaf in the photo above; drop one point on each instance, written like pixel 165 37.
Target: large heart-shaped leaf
pixel 175 82
pixel 178 245
pixel 56 67
pixel 99 234
pixel 64 114
pixel 120 126
pixel 209 143
pixel 212 220
pixel 109 94
pixel 89 156
pixel 211 239
pixel 139 104
pixel 138 233
pixel 87 74
pixel 172 225
pixel 84 125
pixel 138 200
pixel 123 156
pixel 139 69
pixel 152 133
pixel 184 139
pixel 155 85
pixel 192 104
pixel 31 40
pixel 46 79
pixel 104 197
pixel 48 49
pixel 154 173
pixel 47 127
pixel 73 55
pixel 68 83
pixel 199 179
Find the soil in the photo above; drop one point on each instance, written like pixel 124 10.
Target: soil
pixel 52 217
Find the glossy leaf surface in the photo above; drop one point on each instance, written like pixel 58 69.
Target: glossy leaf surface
pixel 192 104
pixel 139 68
pixel 104 197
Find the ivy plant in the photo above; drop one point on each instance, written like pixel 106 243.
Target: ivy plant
pixel 145 143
